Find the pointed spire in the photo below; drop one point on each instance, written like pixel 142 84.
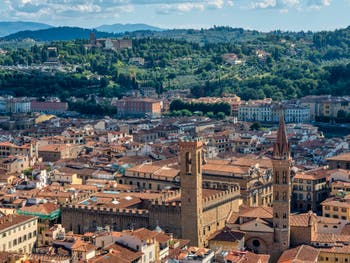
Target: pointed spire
pixel 281 147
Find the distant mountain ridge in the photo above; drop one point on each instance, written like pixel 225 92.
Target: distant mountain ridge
pixel 7 28
pixel 49 33
pixel 57 33
pixel 121 28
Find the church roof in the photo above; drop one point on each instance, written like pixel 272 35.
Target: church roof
pixel 227 234
pixel 303 219
pixel 257 225
pixel 258 212
pixel 303 253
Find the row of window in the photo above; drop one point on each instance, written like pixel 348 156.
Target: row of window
pixel 336 216
pixel 335 259
pixel 14 230
pixel 335 208
pixel 301 188
pixel 18 240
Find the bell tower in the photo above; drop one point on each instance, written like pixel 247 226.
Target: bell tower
pixel 191 191
pixel 281 162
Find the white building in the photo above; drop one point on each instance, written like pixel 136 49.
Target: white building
pixel 3 105
pixel 270 112
pixel 18 105
pixel 140 240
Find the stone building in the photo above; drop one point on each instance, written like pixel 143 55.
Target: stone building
pixel 253 175
pixel 282 191
pixel 341 161
pixel 268 229
pixel 309 190
pixel 203 211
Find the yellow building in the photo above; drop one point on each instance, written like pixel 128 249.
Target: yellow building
pixel 334 254
pixel 66 178
pixel 339 188
pixel 326 105
pixel 332 107
pixel 336 208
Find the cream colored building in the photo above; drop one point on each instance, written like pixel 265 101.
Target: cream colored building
pixel 336 208
pixel 55 152
pixel 18 233
pixel 30 149
pixel 65 178
pixel 153 177
pixel 326 105
pixel 335 254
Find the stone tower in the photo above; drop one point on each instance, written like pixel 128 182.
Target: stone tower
pixel 281 189
pixel 93 38
pixel 191 191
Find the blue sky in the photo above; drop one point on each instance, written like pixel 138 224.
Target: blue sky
pixel 263 15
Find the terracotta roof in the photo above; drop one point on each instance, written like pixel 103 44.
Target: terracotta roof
pixel 257 212
pixel 144 168
pixel 82 246
pixel 167 172
pixel 118 254
pixel 223 168
pixel 233 218
pixel 346 230
pixel 314 176
pixel 257 220
pixel 142 233
pixel 340 157
pixel 45 209
pixel 11 220
pixel 336 202
pixel 227 234
pixel 301 219
pixel 246 257
pixel 162 238
pixel 330 238
pixel 253 160
pixel 303 253
pixel 218 162
pixel 53 148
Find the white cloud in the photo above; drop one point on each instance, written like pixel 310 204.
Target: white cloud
pixel 264 4
pixel 73 8
pixel 188 6
pixel 317 4
pixel 285 5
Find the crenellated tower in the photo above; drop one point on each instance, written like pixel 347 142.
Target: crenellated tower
pixel 281 162
pixel 191 191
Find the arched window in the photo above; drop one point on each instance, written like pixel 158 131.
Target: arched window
pixel 284 196
pixel 256 243
pixel 199 162
pixel 284 178
pixel 277 178
pixel 277 196
pixel 188 162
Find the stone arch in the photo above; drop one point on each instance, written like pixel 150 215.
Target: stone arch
pixel 257 245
